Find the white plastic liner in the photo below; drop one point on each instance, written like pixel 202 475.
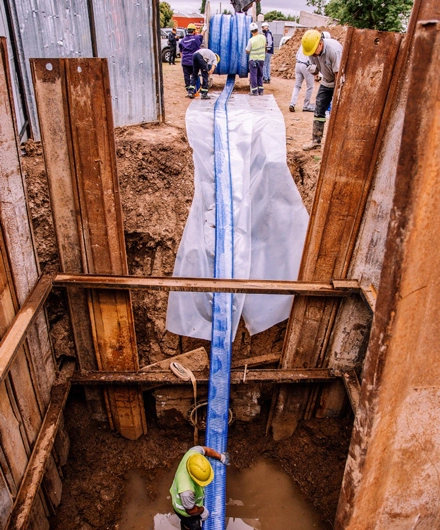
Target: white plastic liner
pixel 270 219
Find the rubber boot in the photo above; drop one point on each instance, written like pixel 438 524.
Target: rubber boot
pixel 318 131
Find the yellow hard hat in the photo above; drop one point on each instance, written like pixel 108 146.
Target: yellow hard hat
pixel 192 26
pixel 217 57
pixel 200 469
pixel 310 41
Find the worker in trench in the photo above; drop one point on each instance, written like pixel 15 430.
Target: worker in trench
pixel 325 56
pixel 188 489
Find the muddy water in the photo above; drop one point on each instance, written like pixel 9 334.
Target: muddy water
pixel 260 498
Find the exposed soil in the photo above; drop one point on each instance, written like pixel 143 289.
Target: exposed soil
pixel 155 170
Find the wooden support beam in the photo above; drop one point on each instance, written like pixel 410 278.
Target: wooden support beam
pixel 346 175
pixel 352 386
pixel 238 376
pixel 38 462
pixel 369 296
pixel 393 458
pixel 23 320
pixel 86 159
pixel 343 289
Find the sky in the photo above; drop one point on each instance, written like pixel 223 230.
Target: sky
pixel 288 7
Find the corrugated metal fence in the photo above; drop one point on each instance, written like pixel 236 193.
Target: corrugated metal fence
pixel 124 32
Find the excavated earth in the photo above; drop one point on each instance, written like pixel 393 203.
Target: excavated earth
pixel 155 169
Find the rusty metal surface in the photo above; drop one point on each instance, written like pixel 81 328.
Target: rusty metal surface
pixel 343 186
pixel 25 317
pixel 166 283
pixel 238 376
pixel 396 426
pixel 41 453
pixel 82 93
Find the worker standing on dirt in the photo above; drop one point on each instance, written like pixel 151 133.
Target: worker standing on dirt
pixel 256 48
pixel 269 51
pixel 190 43
pixel 172 42
pixel 302 73
pixel 188 489
pixel 325 56
pixel 205 62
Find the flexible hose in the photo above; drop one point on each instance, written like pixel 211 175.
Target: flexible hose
pixel 186 374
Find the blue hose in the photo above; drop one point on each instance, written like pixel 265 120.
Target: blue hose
pixel 228 37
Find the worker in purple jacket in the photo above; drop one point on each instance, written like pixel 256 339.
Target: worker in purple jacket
pixel 190 44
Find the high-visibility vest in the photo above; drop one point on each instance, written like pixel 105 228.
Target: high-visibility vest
pixel 183 482
pixel 258 48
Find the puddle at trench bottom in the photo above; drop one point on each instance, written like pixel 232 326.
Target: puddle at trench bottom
pixel 260 498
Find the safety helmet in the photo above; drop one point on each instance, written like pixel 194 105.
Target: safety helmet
pixel 191 27
pixel 253 26
pixel 200 469
pixel 265 25
pixel 310 41
pixel 326 35
pixel 217 57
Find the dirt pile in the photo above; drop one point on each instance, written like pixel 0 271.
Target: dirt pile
pixel 283 62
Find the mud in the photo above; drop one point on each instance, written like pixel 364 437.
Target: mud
pixel 155 169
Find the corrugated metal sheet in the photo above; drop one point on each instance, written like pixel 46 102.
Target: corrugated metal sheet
pixel 20 112
pixel 124 35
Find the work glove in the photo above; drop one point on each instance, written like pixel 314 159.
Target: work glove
pixel 225 459
pixel 205 28
pixel 204 515
pixel 312 68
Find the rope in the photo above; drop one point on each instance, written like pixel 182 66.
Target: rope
pixel 185 374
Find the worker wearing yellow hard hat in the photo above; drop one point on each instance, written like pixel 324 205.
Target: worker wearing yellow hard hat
pixel 187 491
pixel 325 58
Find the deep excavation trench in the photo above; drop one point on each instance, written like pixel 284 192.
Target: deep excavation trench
pixel 155 171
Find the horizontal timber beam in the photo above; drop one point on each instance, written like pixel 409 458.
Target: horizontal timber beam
pixel 166 377
pixel 23 320
pixel 92 281
pixel 36 467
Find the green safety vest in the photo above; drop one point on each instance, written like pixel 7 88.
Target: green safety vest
pixel 183 482
pixel 258 48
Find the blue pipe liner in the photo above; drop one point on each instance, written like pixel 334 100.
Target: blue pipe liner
pixel 228 38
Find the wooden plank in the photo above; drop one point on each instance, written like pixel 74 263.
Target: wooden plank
pixel 369 296
pixel 50 93
pixel 238 376
pixel 17 233
pixel 23 320
pixel 258 359
pixel 88 159
pixel 397 423
pixel 345 179
pixel 41 453
pixel 352 386
pixel 164 283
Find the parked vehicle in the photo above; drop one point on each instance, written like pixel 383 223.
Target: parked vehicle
pixel 165 49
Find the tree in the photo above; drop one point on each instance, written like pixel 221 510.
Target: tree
pixel 166 14
pixel 274 15
pixel 202 9
pixel 258 5
pixel 319 6
pixel 373 14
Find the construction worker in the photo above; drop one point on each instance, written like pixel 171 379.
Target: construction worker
pixel 325 56
pixel 190 43
pixel 188 489
pixel 302 73
pixel 205 62
pixel 269 51
pixel 256 48
pixel 172 42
